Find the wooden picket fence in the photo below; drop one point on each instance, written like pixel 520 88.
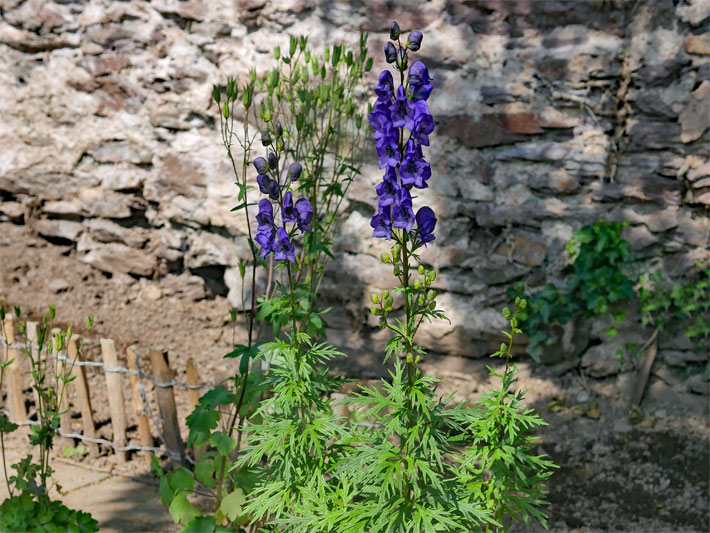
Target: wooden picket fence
pixel 161 378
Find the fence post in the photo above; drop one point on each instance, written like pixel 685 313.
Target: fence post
pixel 16 401
pixel 138 405
pixel 115 396
pixel 166 402
pixel 83 396
pixel 193 380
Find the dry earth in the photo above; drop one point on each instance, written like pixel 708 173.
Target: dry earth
pixel 613 475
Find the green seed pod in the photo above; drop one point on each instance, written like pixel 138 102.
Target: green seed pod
pixel 292 45
pixel 302 43
pixel 277 52
pixel 385 257
pixel 326 53
pixel 216 93
pixel 322 72
pixel 368 64
pixel 358 121
pixel 374 298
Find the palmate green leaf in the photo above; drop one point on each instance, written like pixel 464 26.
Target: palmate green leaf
pixel 201 524
pixel 201 422
pixel 182 510
pixel 204 470
pixel 232 504
pixel 223 442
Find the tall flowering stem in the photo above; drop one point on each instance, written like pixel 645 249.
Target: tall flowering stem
pixel 402 123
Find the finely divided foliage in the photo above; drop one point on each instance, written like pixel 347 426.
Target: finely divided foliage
pixel 273 453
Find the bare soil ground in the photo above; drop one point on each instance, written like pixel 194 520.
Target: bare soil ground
pixel 613 475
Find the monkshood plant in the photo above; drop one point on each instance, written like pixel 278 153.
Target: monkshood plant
pixel 308 162
pixel 424 464
pixel 29 507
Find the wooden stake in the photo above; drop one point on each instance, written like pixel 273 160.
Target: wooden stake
pixel 166 402
pixel 139 406
pixel 13 374
pixel 65 418
pixel 81 385
pixel 193 380
pixel 115 396
pixel 645 369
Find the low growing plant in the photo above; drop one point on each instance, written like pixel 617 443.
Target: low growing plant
pixel 29 507
pixel 596 284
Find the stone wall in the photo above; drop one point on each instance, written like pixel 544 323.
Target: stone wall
pixel 550 114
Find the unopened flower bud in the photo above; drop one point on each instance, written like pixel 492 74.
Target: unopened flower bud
pixel 265 138
pixel 273 162
pixel 410 358
pixel 432 306
pixel 279 129
pixel 394 31
pixel 294 171
pixel 261 165
pixel 390 53
pixel 385 294
pixel 388 303
pixel 432 275
pixel 421 270
pixel 396 271
pixel 418 360
pixel 422 301
pixel 402 59
pixel 395 251
pixel 374 299
pixel 431 294
pixel 374 310
pixel 417 284
pixel 382 323
pixel 414 41
pixel 385 257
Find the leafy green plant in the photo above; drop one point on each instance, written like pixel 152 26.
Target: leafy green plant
pixel 596 284
pixel 29 507
pixel 686 304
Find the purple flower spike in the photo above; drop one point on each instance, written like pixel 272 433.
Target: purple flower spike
pixel 288 213
pixel 283 249
pixel 305 214
pixel 426 222
pixel 388 151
